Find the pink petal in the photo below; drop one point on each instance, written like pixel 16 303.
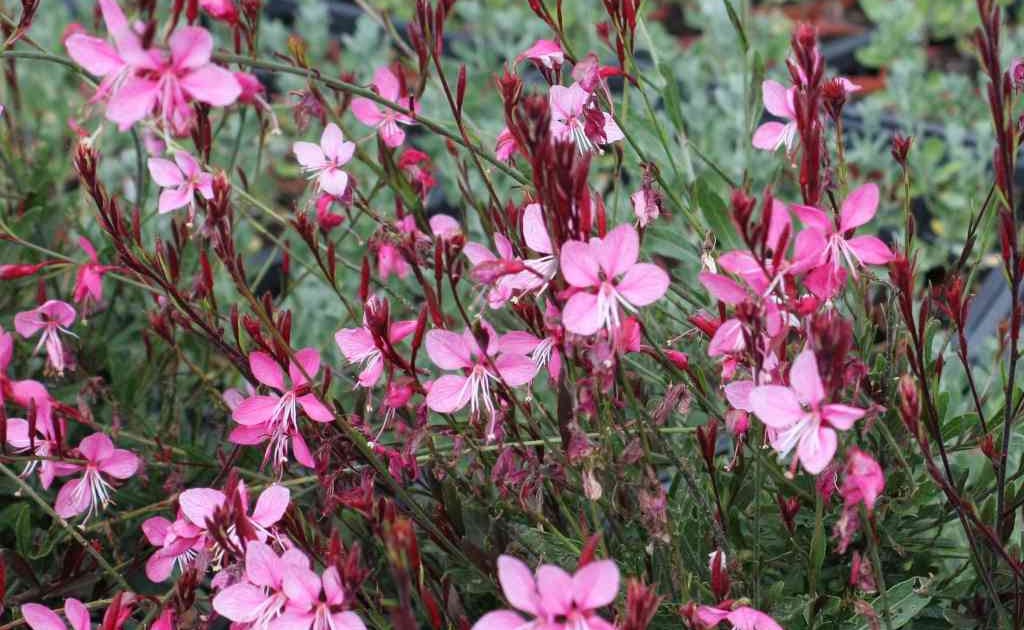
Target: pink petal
pixel 188 164
pixel 301 451
pixel 255 410
pixel 779 222
pixel 77 614
pixel 122 464
pixel 266 370
pixel 870 250
pixel 816 449
pixel 738 394
pixel 776 99
pixel 155 530
pixel 448 394
pixel 371 373
pixel 262 564
pixel 173 198
pixel 355 343
pixel 746 618
pixel 302 587
pixel 401 329
pixel 347 620
pixel 515 369
pixel 805 378
pixel 132 102
pixel 309 155
pixel 504 247
pixel 366 111
pixel 96 447
pixel 518 342
pixel 271 505
pixel 199 504
pixel 448 350
pixel 841 416
pixel 212 85
pixel 315 409
pixel 159 567
pixel 612 132
pixel 723 288
pixel 808 250
pixel 386 83
pixel 70 502
pixel 239 602
pixel 28 323
pixel 308 359
pixel 617 251
pixel 776 406
pixel 191 47
pixel 40 617
pixel 769 136
pixel 578 265
pixel 391 134
pixel 535 230
pixel 477 253
pixel 859 207
pixel 500 620
pixel 63 312
pixel 94 54
pixel 580 314
pixel 518 584
pixel 642 284
pixel 334 145
pixel 556 589
pixel 248 435
pixel 334 591
pixel 596 584
pixel 814 218
pixel 333 181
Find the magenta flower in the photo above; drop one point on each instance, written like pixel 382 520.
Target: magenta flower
pixel 779 102
pixel 480 367
pixel 114 63
pixel 92 491
pixel 52 318
pixel 183 178
pixel 797 418
pixel 506 147
pixel 553 599
pixel 179 544
pixel 324 161
pixel 575 118
pixel 314 601
pixel 823 247
pixel 358 346
pixel 275 417
pixel 166 83
pixel 89 279
pixel 741 618
pixel 863 479
pixel 39 617
pixel 609 277
pixel 386 120
pixel 20 438
pixel 547 55
pixel 259 600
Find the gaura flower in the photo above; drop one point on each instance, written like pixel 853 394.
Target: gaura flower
pixel 779 102
pixel 41 444
pixel 324 161
pixel 274 417
pixel 386 120
pixel 824 246
pixel 553 599
pixel 741 617
pixel 39 617
pixel 863 480
pixel 544 52
pixel 505 147
pixel 798 418
pixel 89 278
pixel 183 179
pixel 609 278
pixel 91 491
pixel 575 118
pixel 51 319
pixel 315 601
pixel 259 600
pixel 99 58
pixel 358 347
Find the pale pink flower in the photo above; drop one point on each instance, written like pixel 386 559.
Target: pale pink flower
pixel 358 346
pixel 493 270
pixel 798 418
pixel 646 206
pixel 89 279
pixel 26 393
pixel 863 479
pixel 259 600
pixel 183 179
pixel 445 227
pixel 546 53
pixel 609 278
pixel 385 119
pixel 324 161
pixel 480 367
pixel 553 599
pixel 275 417
pixel 315 601
pixel 543 352
pixel 51 319
pixel 576 118
pixel 179 543
pixel 779 102
pixel 823 246
pixel 741 618
pixel 41 444
pixel 165 83
pixel 91 491
pixel 39 617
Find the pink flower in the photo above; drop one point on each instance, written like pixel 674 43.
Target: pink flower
pixel 553 599
pixel 324 162
pixel 779 102
pixel 89 279
pixel 543 352
pixel 545 53
pixel 797 418
pixel 220 9
pixel 100 58
pixel 445 227
pixel 259 600
pixel 358 346
pixel 646 206
pixel 179 542
pixel 482 366
pixel 824 247
pixel 20 438
pixel 183 178
pixel 575 118
pixel 391 262
pixel 39 617
pixel 863 479
pixel 741 618
pixel 608 266
pixel 52 318
pixel 275 417
pixel 166 83
pixel 505 147
pixel 314 601
pixel 92 491
pixel 416 165
pixel 386 120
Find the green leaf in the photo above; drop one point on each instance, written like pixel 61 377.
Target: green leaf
pixel 673 106
pixel 906 600
pixel 23 530
pixel 716 214
pixel 738 25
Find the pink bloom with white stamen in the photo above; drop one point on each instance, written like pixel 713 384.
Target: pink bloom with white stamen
pixel 358 346
pixel 91 491
pixel 89 279
pixel 183 179
pixel 51 319
pixel 259 600
pixel 323 162
pixel 779 102
pixel 576 118
pixel 386 120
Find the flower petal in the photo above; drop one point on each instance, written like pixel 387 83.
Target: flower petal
pixel 642 284
pixel 366 111
pixel 39 617
pixel 132 102
pixel 617 251
pixel 306 364
pixel 769 136
pixel 271 505
pixel 240 602
pixel 578 265
pixel 581 315
pixel 859 207
pixel 816 449
pixel 805 378
pixel 448 350
pixel 515 369
pixel 72 501
pixel 191 47
pixel 776 99
pixel 94 54
pixel 199 504
pixel 776 406
pixel 212 85
pixel 448 394
pixel 165 172
pixel 309 155
pixel 255 410
pixel 518 584
pixel 266 370
pixel 121 464
pixel 870 250
pixel 535 230
pixel 315 409
pixel 596 584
